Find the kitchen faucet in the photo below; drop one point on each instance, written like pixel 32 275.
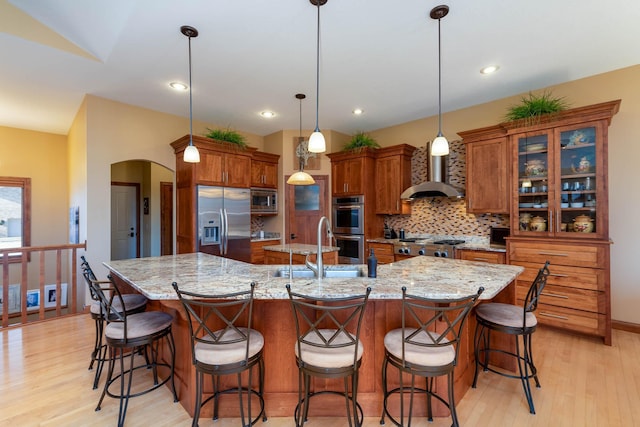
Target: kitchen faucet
pixel 318 268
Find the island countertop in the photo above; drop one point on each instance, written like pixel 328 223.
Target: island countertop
pixel 198 272
pixel 300 248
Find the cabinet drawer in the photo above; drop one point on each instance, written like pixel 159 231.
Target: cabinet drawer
pixel 481 256
pixel 579 299
pixel 557 254
pixel 566 318
pixel 383 251
pixel 561 275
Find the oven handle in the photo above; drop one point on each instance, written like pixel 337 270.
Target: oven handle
pixel 343 207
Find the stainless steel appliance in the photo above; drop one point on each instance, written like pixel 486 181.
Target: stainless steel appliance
pixel 416 247
pixel 264 201
pixel 348 228
pixel 224 222
pixel 351 248
pixel 348 215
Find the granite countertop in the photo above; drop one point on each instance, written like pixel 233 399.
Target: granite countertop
pixel 264 239
pixel 300 248
pixel 203 273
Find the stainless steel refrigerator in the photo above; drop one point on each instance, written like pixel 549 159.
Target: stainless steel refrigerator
pixel 224 222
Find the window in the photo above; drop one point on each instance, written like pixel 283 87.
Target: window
pixel 15 214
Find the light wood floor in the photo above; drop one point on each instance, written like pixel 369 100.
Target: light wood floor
pixel 44 381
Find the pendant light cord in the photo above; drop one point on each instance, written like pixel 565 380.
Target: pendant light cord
pixel 190 99
pixel 318 67
pixel 439 82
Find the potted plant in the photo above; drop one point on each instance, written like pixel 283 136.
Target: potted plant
pixel 532 107
pixel 360 141
pixel 227 135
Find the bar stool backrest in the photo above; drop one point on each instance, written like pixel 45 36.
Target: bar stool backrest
pixel 533 295
pixel 441 320
pixel 218 319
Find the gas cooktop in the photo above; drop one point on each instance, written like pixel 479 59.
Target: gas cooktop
pixel 439 248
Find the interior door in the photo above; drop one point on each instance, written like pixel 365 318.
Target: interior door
pixel 125 239
pixel 166 218
pixel 305 205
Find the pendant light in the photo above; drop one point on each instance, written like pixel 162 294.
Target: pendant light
pixel 317 143
pixel 440 145
pixel 301 177
pixel 191 154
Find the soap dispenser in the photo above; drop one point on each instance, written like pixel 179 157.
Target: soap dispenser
pixel 372 264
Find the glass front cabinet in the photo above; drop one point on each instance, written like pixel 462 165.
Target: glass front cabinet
pixel 561 188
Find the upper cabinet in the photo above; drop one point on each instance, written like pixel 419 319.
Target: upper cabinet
pixel 264 170
pixel 351 171
pixel 393 176
pixel 488 170
pixel 560 186
pixel 221 164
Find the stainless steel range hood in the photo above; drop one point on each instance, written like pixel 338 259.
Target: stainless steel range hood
pixel 437 186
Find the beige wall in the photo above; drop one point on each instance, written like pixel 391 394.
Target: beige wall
pixel 624 152
pixel 43 158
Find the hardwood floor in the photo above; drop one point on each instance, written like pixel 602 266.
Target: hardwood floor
pixel 44 381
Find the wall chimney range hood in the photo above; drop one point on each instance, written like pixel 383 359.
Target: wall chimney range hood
pixel 437 186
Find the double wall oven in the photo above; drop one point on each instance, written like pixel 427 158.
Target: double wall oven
pixel 348 228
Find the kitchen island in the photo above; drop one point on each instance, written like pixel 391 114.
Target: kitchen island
pixel 425 276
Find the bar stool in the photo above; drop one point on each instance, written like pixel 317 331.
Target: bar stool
pixel 133 303
pixel 232 349
pixel 427 345
pixel 518 321
pixel 328 346
pixel 127 335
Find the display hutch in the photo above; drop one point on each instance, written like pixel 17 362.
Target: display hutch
pixel 559 213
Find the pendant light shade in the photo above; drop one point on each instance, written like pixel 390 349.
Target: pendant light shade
pixel 440 145
pixel 301 177
pixel 191 154
pixel 317 143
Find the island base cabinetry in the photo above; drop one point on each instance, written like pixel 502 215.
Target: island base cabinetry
pixel 577 294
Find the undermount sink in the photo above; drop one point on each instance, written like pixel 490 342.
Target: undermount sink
pixel 330 272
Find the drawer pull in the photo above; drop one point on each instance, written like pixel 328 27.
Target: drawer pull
pixel 555 316
pixel 480 259
pixel 558 275
pixel 552 254
pixel 549 294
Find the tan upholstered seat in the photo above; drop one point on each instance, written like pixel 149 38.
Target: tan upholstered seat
pixel 427 346
pixel 232 352
pixel 235 348
pixel 518 321
pixel 328 346
pixel 132 302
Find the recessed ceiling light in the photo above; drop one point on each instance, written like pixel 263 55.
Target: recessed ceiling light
pixel 178 86
pixel 489 69
pixel 358 111
pixel 268 114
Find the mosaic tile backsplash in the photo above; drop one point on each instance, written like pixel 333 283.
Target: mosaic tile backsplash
pixel 440 215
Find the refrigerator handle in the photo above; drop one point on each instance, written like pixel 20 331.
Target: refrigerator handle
pixel 226 232
pixel 222 232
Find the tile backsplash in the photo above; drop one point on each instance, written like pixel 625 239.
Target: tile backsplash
pixel 440 215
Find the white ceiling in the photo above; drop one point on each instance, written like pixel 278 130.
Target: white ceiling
pixel 250 56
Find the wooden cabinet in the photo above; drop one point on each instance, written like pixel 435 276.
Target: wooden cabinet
pixel 383 251
pixel 257 250
pixel 577 294
pixel 351 171
pixel 493 257
pixel 488 170
pixel 223 169
pixel 560 180
pixel 264 170
pixel 393 176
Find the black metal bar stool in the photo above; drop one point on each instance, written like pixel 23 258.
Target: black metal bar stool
pixel 328 346
pixel 427 345
pixel 133 303
pixel 127 335
pixel 515 320
pixel 223 343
